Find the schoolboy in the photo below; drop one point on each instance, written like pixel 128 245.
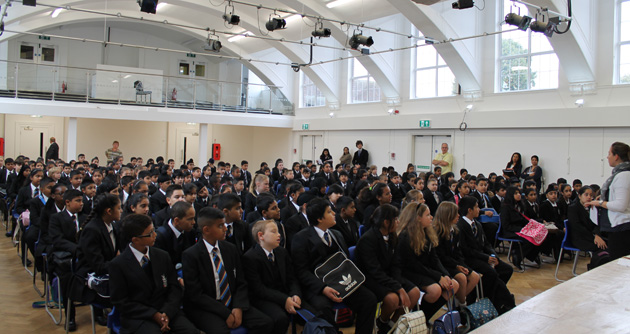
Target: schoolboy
pixel 269 271
pixel 313 246
pixel 177 234
pixel 216 295
pixel 237 230
pixel 345 222
pixel 75 180
pixel 89 191
pixel 144 285
pixel 174 193
pixel 158 200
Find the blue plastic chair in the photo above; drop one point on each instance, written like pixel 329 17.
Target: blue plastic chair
pixel 566 244
pixel 113 321
pixel 239 330
pixel 485 219
pixel 351 252
pixel 511 241
pixel 362 229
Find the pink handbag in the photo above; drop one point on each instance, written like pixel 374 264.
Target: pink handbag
pixel 534 232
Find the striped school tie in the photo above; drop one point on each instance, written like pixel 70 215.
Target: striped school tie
pixel 224 286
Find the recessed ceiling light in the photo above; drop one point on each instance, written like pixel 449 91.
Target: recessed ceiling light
pixel 56 12
pixel 336 3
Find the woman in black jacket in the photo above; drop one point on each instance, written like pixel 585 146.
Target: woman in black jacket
pixel 512 221
pixel 377 260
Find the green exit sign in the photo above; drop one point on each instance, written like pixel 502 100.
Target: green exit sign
pixel 305 126
pixel 44 38
pixel 425 124
pixel 191 55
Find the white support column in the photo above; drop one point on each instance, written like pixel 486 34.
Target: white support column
pixel 71 151
pixel 203 144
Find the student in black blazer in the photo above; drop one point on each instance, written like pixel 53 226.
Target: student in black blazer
pixel 64 230
pixel 298 221
pixel 89 192
pixel 28 192
pixel 499 196
pixel 361 155
pixel 291 208
pixel 158 199
pixel 228 309
pixel 174 194
pixel 549 210
pixel 54 205
pixel 481 194
pixel 432 197
pixel 375 256
pixel 238 232
pixel 178 233
pixel 6 172
pixel 273 288
pixel 259 185
pixel 35 208
pixel 345 223
pixel 327 174
pixel 313 246
pixel 584 234
pixel 245 174
pixel 481 257
pixel 147 295
pixel 512 221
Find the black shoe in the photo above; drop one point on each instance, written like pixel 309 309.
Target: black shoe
pixel 72 326
pixel 383 327
pixel 9 234
pixel 101 320
pixel 516 261
pixel 28 263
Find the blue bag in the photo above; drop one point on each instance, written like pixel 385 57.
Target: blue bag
pixel 449 322
pixel 315 325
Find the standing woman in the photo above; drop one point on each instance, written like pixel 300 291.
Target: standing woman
pixel 346 157
pixel 614 200
pixel 514 165
pixel 534 172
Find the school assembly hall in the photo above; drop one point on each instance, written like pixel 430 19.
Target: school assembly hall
pixel 315 166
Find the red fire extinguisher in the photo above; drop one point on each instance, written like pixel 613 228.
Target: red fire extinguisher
pixel 64 87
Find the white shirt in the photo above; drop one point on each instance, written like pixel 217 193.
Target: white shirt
pixel 175 231
pixel 71 214
pixel 470 222
pixel 321 232
pixel 139 255
pixel 33 189
pixel 214 268
pixel 619 200
pixel 110 228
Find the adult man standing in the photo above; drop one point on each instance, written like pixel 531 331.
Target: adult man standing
pixel 360 156
pixel 113 153
pixel 444 159
pixel 53 150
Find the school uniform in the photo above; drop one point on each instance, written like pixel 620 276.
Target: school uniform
pixel 450 254
pixel 583 230
pixel 397 194
pixel 45 243
pixel 550 212
pixel 88 205
pixel 206 304
pixel 329 177
pixel 271 281
pixel 349 229
pixel 162 217
pixel 24 196
pixel 247 178
pixel 376 258
pixel 306 182
pixel 432 199
pixel 288 211
pixel 346 187
pixel 157 201
pixel 31 235
pixel 513 221
pixel 141 292
pixel 406 187
pixel 563 205
pixel 252 218
pixel 174 242
pixel 239 234
pixel 367 214
pixel 250 202
pixel 497 202
pixel 532 210
pixel 98 245
pixel 489 228
pixel 295 224
pixel 4 177
pixel 424 269
pixel 477 251
pixel 360 157
pixel 308 251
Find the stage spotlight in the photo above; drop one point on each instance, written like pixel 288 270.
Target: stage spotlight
pixel 275 23
pixel 32 3
pixel 148 6
pixel 357 39
pixel 546 28
pixel 463 4
pixel 231 18
pixel 322 32
pixel 212 44
pixel 521 22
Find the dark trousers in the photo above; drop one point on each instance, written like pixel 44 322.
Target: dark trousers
pixel 362 302
pixel 179 324
pixel 254 320
pixel 495 282
pixel 618 244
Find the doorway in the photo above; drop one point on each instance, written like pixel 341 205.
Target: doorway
pixel 33 140
pixel 187 146
pixel 425 148
pixel 311 144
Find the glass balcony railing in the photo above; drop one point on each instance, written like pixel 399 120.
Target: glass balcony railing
pixel 139 86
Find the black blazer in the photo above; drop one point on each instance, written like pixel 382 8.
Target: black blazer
pixel 45 244
pixel 247 178
pixel 200 292
pixel 287 212
pixel 295 224
pixel 260 277
pixel 377 261
pixel 496 203
pixel 330 180
pixel 137 298
pixel 360 159
pixel 309 251
pixel 429 200
pixel 511 221
pixel 166 241
pixel 532 211
pixel 426 264
pixel 349 231
pixel 35 208
pixel 87 205
pixel 582 230
pixel 242 237
pixel 449 251
pixel 162 217
pixel 4 181
pixel 473 247
pixel 63 232
pixel 157 201
pixel 25 194
pixel 551 214
pixel 398 193
pixel 250 202
pixel 53 152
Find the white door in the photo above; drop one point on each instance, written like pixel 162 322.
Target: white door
pixel 37 71
pixel 437 146
pixel 310 148
pixel 33 141
pixel 187 147
pixel 422 153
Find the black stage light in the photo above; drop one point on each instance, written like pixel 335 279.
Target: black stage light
pixel 521 22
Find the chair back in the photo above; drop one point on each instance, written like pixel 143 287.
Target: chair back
pixel 485 219
pixel 362 229
pixel 113 321
pixel 566 241
pixel 351 251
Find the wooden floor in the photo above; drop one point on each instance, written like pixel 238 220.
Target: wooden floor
pixel 17 294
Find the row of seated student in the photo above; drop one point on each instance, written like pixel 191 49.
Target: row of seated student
pixel 182 226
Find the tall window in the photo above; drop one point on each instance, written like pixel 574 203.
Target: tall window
pixel 364 88
pixel 431 76
pixel 311 95
pixel 624 42
pixel 526 60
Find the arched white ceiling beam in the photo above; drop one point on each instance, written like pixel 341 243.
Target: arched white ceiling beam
pixel 374 64
pixel 575 54
pixel 431 23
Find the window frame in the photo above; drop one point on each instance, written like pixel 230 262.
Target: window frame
pixel 528 57
pixel 619 43
pixel 436 67
pixel 370 80
pixel 310 85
